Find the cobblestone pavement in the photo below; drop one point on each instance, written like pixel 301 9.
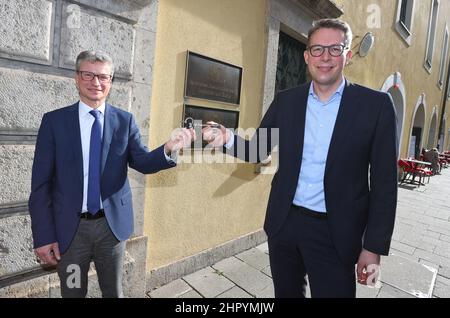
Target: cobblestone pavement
pixel 419 264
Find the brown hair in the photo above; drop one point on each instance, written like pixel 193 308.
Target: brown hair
pixel 333 24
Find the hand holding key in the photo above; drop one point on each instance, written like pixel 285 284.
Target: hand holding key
pixel 215 134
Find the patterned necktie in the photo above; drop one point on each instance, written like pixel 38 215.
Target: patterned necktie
pixel 93 197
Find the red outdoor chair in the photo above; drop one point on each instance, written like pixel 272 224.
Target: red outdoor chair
pixel 407 170
pixel 422 172
pixel 411 169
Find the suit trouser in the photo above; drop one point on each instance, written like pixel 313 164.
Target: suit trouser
pixel 93 241
pixel 303 247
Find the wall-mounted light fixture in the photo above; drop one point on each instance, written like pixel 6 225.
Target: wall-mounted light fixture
pixel 396 80
pixel 366 44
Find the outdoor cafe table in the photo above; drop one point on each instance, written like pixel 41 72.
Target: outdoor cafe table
pixel 419 164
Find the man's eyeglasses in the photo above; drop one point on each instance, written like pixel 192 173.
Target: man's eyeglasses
pixel 334 50
pixel 89 76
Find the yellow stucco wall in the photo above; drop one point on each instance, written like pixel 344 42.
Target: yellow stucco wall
pixel 391 54
pixel 198 206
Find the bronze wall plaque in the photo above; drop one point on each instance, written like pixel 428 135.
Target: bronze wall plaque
pixel 210 79
pixel 199 116
pixel 228 118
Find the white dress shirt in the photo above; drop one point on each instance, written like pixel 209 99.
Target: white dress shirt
pixel 86 122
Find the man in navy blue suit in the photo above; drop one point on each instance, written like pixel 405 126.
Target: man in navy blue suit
pixel 333 199
pixel 80 202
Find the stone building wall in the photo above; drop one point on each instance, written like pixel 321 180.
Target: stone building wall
pixel 39 41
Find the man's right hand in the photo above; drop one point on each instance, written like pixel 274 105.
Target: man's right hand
pixel 48 254
pixel 215 134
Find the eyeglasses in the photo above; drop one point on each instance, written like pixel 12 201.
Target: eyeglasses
pixel 89 76
pixel 334 50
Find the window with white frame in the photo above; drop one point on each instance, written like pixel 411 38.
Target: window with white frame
pixel 443 59
pixel 431 34
pixel 404 19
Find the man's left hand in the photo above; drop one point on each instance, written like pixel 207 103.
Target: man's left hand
pixel 368 268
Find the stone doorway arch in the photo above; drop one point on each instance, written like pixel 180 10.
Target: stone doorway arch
pixel 394 86
pixel 417 128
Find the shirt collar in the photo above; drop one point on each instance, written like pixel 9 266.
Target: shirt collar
pixel 339 90
pixel 85 109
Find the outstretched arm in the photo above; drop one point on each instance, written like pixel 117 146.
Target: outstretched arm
pixel 254 150
pixel 148 162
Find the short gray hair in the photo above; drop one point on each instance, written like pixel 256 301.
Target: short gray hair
pixel 94 56
pixel 333 24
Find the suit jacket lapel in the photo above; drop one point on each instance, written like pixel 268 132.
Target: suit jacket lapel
pixel 298 121
pixel 108 132
pixel 346 114
pixel 73 121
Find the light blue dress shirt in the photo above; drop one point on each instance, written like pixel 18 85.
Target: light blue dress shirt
pixel 319 126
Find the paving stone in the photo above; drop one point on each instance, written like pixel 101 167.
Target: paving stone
pixel 243 275
pixel 404 255
pixel 430 264
pixel 397 236
pixel 439 223
pixel 415 241
pixel 443 251
pixel 416 225
pixel 208 282
pixel 366 292
pixel 407 275
pixel 442 230
pixel 388 291
pixel 267 271
pixel 434 258
pixel 402 247
pixel 264 247
pixel 401 230
pixel 444 271
pixel 419 249
pixel 254 258
pixel 420 218
pixel 444 215
pixel 235 292
pixel 433 234
pixel 191 294
pixel 434 241
pixel 171 290
pixel 441 291
pixel 267 292
pixel 444 238
pixel 441 280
